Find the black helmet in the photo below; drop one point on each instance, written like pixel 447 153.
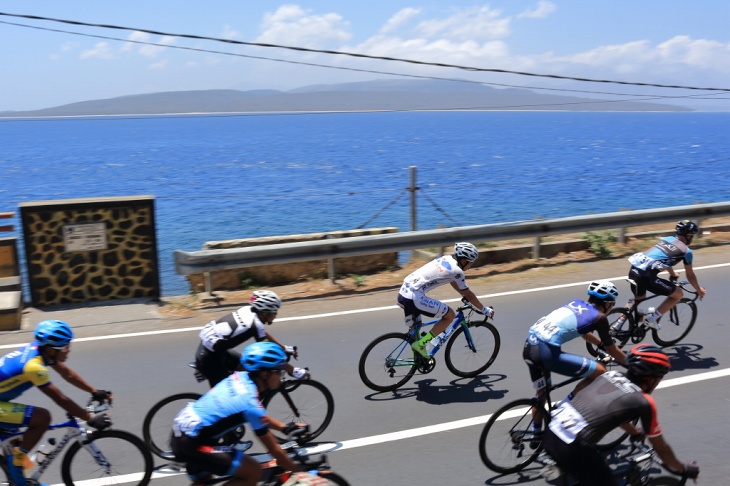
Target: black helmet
pixel 687 227
pixel 647 360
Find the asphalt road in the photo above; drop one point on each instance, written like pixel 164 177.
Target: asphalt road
pixel 427 432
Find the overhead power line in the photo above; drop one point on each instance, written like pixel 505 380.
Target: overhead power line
pixel 360 55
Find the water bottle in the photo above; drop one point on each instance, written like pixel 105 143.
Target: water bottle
pixel 436 342
pixel 41 454
pixel 622 318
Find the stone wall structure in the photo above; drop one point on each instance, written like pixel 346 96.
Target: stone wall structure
pixel 81 250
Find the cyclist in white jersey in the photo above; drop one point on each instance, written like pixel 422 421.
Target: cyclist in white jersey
pixel 449 269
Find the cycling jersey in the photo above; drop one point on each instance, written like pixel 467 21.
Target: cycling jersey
pixel 232 329
pixel 22 369
pixel 568 322
pixel 667 253
pixel 609 401
pixel 231 403
pixel 434 274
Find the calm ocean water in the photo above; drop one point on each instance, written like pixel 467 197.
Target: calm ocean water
pixel 231 177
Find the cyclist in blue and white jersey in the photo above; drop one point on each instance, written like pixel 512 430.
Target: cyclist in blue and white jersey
pixel 449 269
pixel 230 404
pixel 29 366
pixel 542 350
pixel 646 266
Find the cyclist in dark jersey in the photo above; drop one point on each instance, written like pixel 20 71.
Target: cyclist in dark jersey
pixel 217 357
pixel 612 400
pixel 645 268
pixel 230 404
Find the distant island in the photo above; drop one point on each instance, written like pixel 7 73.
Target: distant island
pixel 379 95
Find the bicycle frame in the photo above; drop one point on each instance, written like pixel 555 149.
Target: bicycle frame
pixel 75 432
pixel 459 320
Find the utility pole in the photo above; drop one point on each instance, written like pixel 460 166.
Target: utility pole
pixel 413 188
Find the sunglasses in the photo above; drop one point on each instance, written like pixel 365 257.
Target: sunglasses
pixel 64 349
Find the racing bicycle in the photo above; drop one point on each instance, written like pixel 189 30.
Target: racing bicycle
pixel 302 401
pixel 94 457
pixel 509 442
pixel 472 344
pixel 627 323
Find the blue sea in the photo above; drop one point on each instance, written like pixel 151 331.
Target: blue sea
pixel 238 176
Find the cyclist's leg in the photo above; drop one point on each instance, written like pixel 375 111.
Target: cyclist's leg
pixel 670 290
pixel 36 419
pixel 201 460
pixel 574 365
pixel 584 464
pixel 539 375
pixel 435 309
pixel 212 364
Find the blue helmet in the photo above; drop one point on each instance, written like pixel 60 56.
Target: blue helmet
pixel 263 356
pixel 53 333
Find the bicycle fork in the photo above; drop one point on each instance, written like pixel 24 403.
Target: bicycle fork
pixel 96 453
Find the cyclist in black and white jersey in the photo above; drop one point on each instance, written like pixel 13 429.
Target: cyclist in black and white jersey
pixel 612 400
pixel 646 266
pixel 217 357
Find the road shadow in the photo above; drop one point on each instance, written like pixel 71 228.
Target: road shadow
pixel 530 474
pixel 688 357
pixel 462 390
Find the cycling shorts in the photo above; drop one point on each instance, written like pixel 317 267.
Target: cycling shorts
pixel 204 458
pixel 421 304
pixel 542 358
pixel 583 463
pixel 648 280
pixel 216 365
pixel 15 414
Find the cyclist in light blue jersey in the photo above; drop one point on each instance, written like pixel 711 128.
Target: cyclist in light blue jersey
pixel 646 266
pixel 230 404
pixel 542 350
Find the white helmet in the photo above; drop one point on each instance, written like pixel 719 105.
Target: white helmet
pixel 603 289
pixel 466 250
pixel 265 301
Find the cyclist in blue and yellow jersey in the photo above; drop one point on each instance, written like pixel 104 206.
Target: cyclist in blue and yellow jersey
pixel 28 367
pixel 449 269
pixel 216 356
pixel 646 266
pixel 542 350
pixel 230 404
pixel 612 400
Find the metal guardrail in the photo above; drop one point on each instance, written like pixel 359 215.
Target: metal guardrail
pixel 187 263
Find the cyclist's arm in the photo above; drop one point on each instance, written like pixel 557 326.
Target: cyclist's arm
pixel 72 377
pixel 469 296
pixel 282 459
pixel 693 280
pixel 65 402
pixel 666 453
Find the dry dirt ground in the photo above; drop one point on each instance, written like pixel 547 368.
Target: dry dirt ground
pixel 564 263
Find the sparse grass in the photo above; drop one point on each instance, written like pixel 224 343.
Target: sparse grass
pixel 600 243
pixel 358 280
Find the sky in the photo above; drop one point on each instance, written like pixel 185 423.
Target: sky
pixel 646 41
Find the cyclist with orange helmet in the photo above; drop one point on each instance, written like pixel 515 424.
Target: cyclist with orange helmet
pixel 610 401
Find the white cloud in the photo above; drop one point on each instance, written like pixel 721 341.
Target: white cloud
pixel 474 23
pixel 229 33
pixel 700 53
pixel 399 19
pixel 159 66
pixel 543 9
pixel 147 50
pixel 293 26
pixel 100 51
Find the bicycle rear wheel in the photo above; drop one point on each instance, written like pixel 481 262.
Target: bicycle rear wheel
pixel 467 356
pixel 508 442
pixel 114 457
pixel 387 363
pixel 676 324
pixel 303 401
pixel 157 424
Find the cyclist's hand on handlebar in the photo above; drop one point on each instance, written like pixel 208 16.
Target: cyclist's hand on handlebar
pixel 691 470
pixel 488 311
pixel 294 429
pixel 100 421
pixel 638 438
pixel 674 279
pixel 301 373
pixel 291 351
pixel 102 396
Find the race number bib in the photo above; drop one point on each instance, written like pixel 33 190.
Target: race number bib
pixel 544 329
pixel 566 423
pixel 185 422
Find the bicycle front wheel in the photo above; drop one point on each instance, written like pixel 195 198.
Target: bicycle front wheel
pixel 676 324
pixel 114 457
pixel 302 401
pixel 508 442
pixel 387 363
pixel 470 353
pixel 157 424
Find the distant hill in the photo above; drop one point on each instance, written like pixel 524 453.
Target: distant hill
pixel 383 95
